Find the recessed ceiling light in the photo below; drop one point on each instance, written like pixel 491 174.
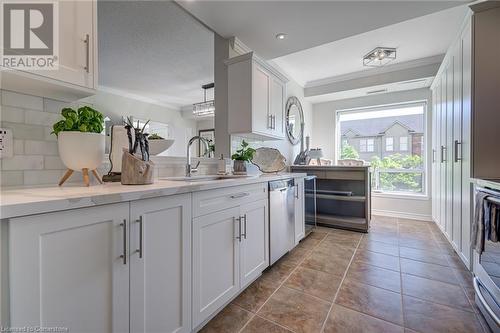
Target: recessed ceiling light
pixel 281 36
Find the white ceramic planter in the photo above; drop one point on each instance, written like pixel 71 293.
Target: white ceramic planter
pixel 79 150
pixel 159 146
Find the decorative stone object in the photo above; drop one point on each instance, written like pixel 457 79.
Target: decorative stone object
pixel 158 146
pixel 135 171
pixel 269 160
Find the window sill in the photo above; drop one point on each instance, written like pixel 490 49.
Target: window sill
pixel 404 196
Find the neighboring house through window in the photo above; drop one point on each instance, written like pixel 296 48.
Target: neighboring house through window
pixel 391 139
pixel 389 143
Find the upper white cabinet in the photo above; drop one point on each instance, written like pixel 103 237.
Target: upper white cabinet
pixel 256 98
pixel 76 76
pixel 160 265
pixel 299 210
pixel 70 269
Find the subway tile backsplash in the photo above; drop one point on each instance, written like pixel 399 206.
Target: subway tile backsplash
pixel 36 159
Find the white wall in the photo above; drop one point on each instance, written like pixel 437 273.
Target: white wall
pixel 324 136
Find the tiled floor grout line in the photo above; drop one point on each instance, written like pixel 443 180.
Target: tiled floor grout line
pixel 280 285
pixel 401 276
pixel 340 285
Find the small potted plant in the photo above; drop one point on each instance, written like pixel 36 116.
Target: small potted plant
pixel 158 144
pixel 241 157
pixel 80 141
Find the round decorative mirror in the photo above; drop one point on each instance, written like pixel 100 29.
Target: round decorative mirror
pixel 294 120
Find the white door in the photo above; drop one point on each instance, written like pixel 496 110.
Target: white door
pixel 216 261
pixel 466 142
pixel 67 269
pixel 442 156
pixel 254 250
pixel 261 109
pixel 449 145
pixel 434 157
pixel 77 22
pixel 299 210
pixel 160 264
pixel 277 107
pixel 456 161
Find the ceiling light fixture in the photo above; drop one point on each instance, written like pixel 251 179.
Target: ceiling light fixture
pixel 281 36
pixel 380 56
pixel 205 108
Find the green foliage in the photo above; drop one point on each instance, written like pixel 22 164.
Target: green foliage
pixel 245 153
pixel 348 151
pixel 85 119
pixel 154 136
pixel 406 181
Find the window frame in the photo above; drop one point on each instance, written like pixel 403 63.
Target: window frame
pixel 386 139
pixel 372 145
pixel 406 137
pixel 426 171
pixel 363 145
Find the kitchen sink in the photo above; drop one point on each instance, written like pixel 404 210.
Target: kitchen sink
pixel 204 178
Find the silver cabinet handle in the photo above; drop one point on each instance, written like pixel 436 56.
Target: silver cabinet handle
pixel 443 149
pixel 244 225
pixel 141 236
pixel 239 227
pixel 87 53
pixel 433 155
pixel 274 121
pixel 270 121
pixel 124 255
pixel 457 143
pixel 240 195
pixel 297 191
pixel 479 295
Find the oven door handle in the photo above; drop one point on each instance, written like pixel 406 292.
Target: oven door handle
pixel 492 314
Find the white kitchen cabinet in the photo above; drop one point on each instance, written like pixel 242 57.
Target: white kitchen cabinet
pixel 299 210
pixel 76 75
pixel 67 269
pixel 256 98
pixel 254 247
pixel 451 125
pixel 160 264
pixel 216 261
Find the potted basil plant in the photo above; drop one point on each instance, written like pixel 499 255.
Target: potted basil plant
pixel 80 141
pixel 241 157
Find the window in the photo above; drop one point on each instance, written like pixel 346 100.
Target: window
pixel 362 145
pixel 389 143
pixel 370 145
pixel 403 143
pixel 397 163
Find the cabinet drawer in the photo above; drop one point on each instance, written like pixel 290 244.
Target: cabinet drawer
pixel 206 202
pixel 346 175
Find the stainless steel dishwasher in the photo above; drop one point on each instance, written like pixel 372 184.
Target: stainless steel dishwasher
pixel 281 218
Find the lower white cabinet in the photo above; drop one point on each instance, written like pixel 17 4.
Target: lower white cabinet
pixel 113 268
pixel 67 270
pixel 160 265
pixel 230 250
pixel 299 210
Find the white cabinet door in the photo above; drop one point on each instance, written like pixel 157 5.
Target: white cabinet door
pixel 66 269
pixel 299 210
pixel 449 145
pixel 216 262
pixel 277 112
pixel 456 151
pixel 254 250
pixel 160 264
pixel 261 109
pixel 442 157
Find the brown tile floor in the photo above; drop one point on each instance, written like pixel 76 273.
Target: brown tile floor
pixel 400 277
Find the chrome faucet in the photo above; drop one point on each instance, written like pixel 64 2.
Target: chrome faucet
pixel 189 168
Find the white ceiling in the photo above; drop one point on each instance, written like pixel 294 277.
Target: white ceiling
pixel 154 50
pixel 307 23
pixel 417 38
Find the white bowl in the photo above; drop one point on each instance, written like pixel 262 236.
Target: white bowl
pixel 81 150
pixel 158 146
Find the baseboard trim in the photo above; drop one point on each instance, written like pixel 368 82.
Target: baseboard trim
pixel 403 215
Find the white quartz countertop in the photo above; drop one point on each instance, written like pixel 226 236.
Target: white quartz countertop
pixel 21 201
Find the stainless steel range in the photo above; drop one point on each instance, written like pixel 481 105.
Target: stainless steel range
pixel 487 271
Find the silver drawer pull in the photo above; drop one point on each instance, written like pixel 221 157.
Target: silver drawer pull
pixel 87 53
pixel 240 195
pixel 239 227
pixel 141 236
pixel 124 255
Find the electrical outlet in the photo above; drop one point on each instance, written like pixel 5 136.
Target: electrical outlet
pixel 6 143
